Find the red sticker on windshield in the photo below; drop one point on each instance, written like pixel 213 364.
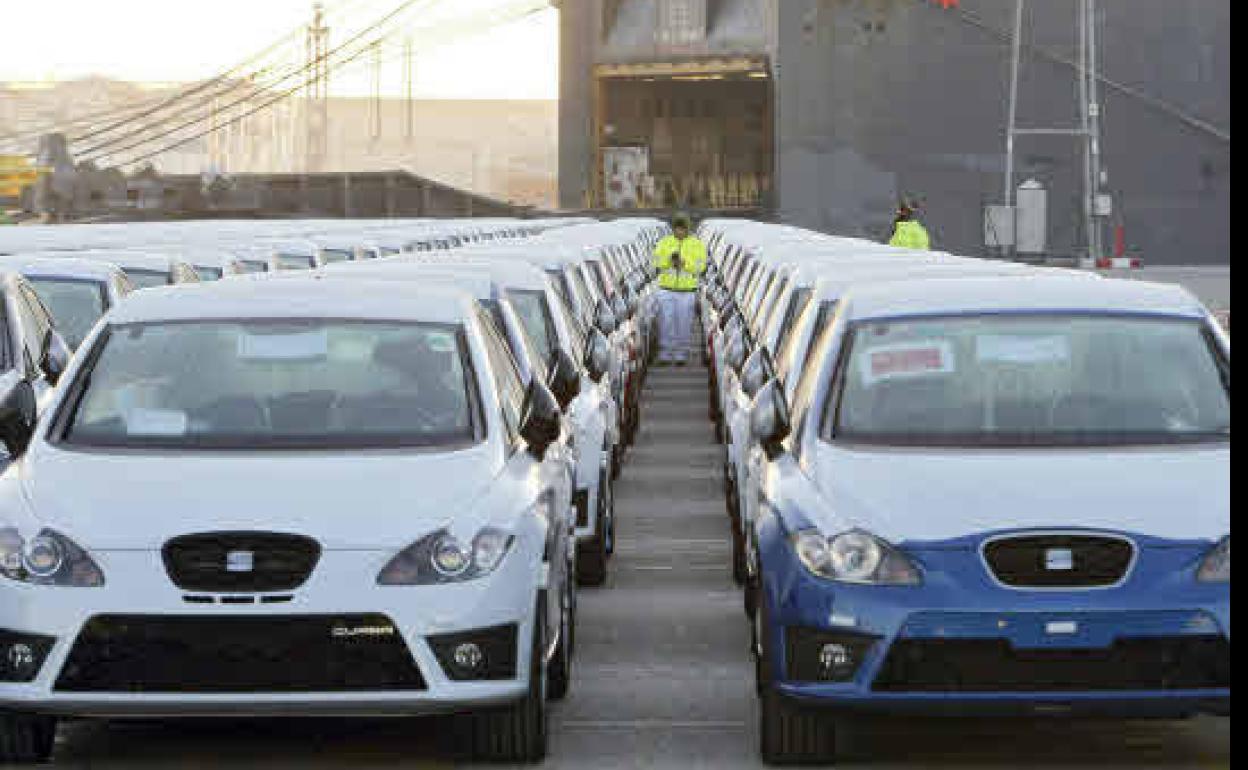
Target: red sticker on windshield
pixel 912 359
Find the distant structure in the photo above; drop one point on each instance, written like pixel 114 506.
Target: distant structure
pixel 828 112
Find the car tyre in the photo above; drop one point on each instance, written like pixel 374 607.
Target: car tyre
pixel 592 555
pixel 517 733
pixel 26 738
pixel 739 572
pixel 559 670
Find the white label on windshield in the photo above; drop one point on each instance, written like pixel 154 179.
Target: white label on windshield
pixel 909 359
pixel 441 342
pixel 298 346
pixel 1020 349
pixel 155 422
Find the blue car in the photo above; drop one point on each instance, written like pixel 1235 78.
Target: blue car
pixel 1000 495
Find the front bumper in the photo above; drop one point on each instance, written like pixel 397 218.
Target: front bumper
pixel 1157 646
pixel 418 616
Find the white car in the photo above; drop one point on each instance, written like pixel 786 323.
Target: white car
pixel 410 559
pixel 146 270
pixel 76 292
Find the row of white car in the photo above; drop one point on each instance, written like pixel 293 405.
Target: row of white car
pixel 368 487
pixel 967 486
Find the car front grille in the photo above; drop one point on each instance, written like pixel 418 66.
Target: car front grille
pixel 240 562
pixel 994 665
pixel 1059 560
pixel 239 654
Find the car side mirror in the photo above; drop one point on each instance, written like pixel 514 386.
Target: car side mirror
pixel 757 371
pixel 54 359
pixel 737 349
pixel 565 378
pixel 604 318
pixel 597 355
pixel 770 422
pixel 619 307
pixel 541 419
pixel 17 414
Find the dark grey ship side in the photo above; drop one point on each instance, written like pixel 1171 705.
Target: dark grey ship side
pixel 828 111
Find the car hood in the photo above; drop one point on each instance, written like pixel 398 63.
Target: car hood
pixel 1179 492
pixel 346 502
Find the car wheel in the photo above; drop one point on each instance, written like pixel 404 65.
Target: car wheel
pixel 790 734
pixel 559 670
pixel 752 591
pixel 592 555
pixel 516 733
pixel 739 572
pixel 606 499
pixel 26 738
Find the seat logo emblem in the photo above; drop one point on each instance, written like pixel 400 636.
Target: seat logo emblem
pixel 1059 559
pixel 240 561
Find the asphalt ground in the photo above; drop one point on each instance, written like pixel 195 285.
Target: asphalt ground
pixel 663 677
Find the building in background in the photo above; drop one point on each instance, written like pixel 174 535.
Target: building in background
pixel 830 111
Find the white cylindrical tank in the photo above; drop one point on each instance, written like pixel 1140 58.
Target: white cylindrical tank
pixel 1031 218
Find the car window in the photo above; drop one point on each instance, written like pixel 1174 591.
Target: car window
pixel 7 359
pixel 331 256
pixel 576 329
pixel 506 373
pixel 258 385
pixel 534 314
pixel 206 273
pixel 798 300
pixel 75 305
pixel 1033 380
pixel 148 279
pixel 294 262
pixel 253 266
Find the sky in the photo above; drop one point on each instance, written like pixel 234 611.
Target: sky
pixel 186 40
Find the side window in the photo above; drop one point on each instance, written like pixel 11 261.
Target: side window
pixel 506 375
pixel 32 327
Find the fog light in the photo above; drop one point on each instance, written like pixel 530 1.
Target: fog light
pixel 469 657
pixel 821 655
pixel 835 661
pixel 22 655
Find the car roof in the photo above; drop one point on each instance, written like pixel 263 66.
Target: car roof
pixel 502 268
pixel 479 284
pixel 310 296
pixel 60 267
pixel 1034 292
pixel 134 260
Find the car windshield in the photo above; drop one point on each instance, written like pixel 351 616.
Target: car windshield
pixel 148 279
pixel 335 255
pixel 75 305
pixel 208 273
pixel 295 262
pixel 531 307
pixel 256 385
pixel 253 266
pixel 1034 380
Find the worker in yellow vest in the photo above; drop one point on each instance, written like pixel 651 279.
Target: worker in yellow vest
pixel 909 232
pixel 680 259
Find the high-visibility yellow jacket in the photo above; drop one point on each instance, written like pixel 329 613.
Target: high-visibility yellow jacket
pixel 911 235
pixel 692 262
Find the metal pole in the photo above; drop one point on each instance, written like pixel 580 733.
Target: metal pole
pixel 1015 56
pixel 408 88
pixel 1094 127
pixel 1089 183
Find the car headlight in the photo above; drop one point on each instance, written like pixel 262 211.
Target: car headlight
pixel 47 559
pixel 854 557
pixel 1216 566
pixel 443 558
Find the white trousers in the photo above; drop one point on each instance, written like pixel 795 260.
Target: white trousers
pixel 675 324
